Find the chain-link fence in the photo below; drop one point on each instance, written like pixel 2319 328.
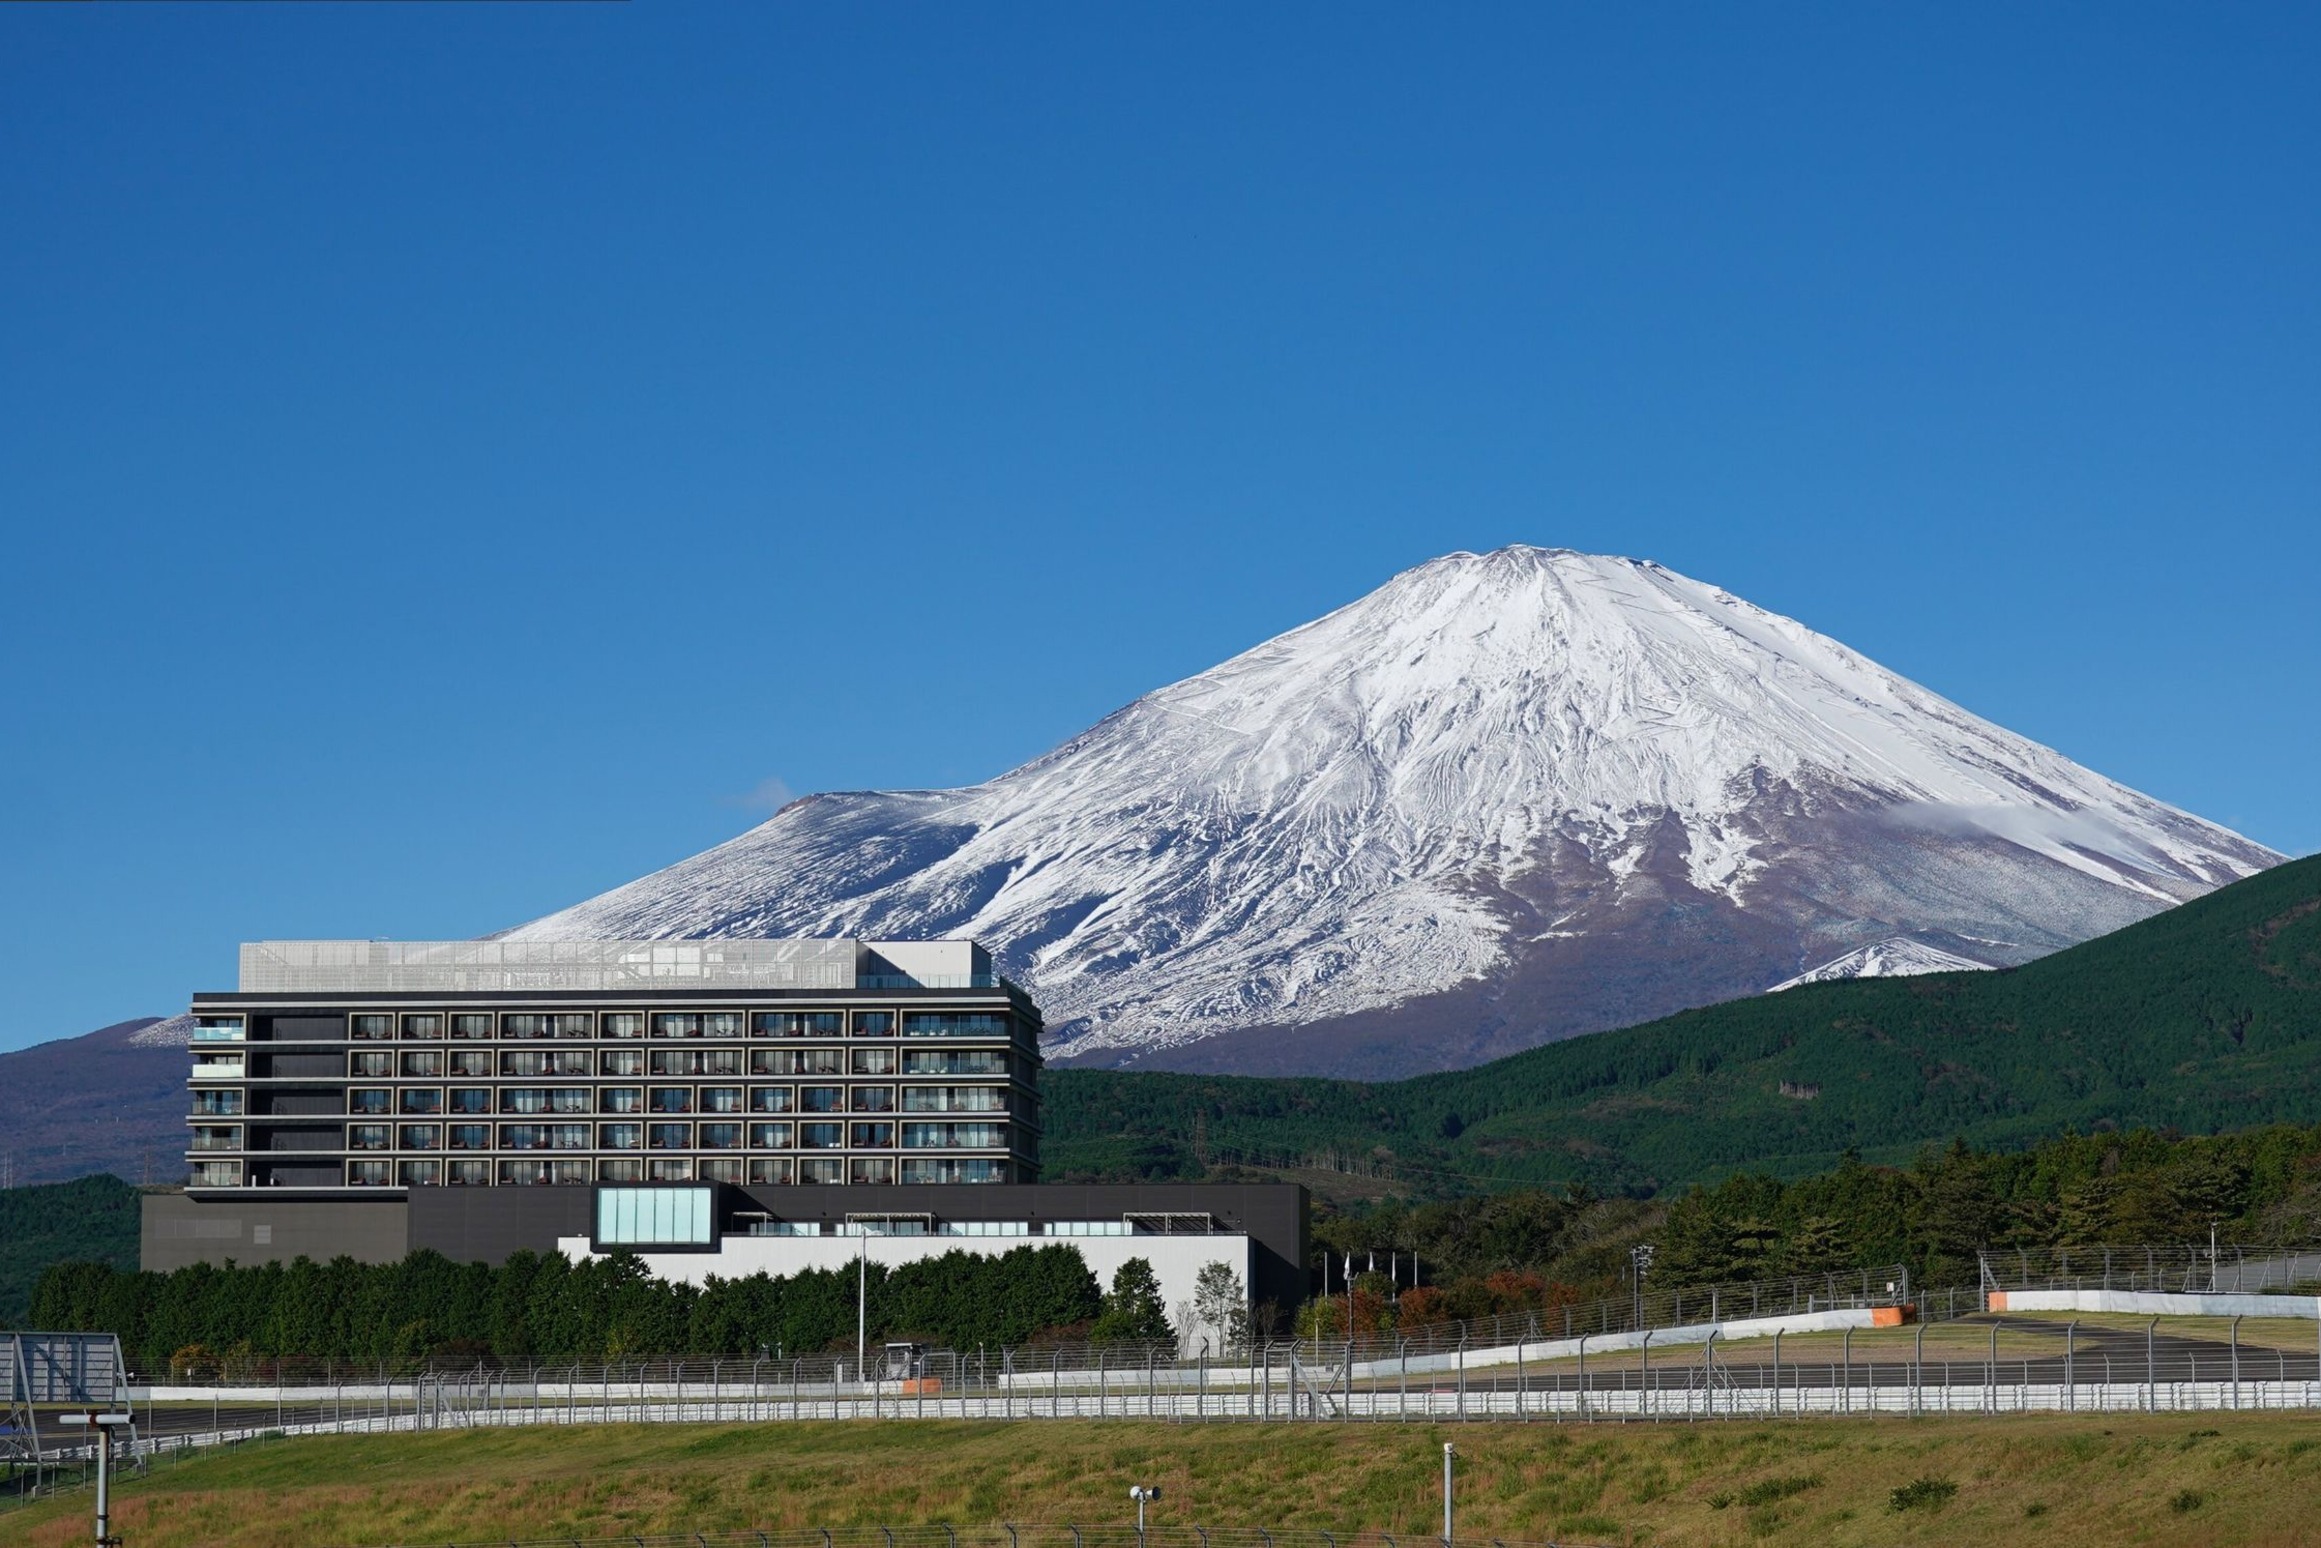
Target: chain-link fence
pixel 2167 1270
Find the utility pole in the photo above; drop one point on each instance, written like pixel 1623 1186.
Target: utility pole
pixel 862 1303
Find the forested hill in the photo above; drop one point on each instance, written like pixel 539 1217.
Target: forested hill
pixel 2204 1018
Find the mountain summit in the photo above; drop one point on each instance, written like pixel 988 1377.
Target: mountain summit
pixel 1505 798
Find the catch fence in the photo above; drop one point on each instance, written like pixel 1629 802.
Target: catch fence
pixel 2167 1270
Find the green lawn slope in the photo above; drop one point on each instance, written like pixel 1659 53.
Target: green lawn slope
pixel 2203 1018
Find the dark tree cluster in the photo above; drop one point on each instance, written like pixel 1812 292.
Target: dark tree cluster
pixel 543 1308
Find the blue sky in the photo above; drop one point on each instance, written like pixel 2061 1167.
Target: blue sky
pixel 457 459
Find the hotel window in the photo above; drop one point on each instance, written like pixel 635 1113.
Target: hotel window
pixel 569 1099
pixel 522 1174
pixel 676 1024
pixel 571 1024
pixel 954 1061
pixel 817 1169
pixel 473 1026
pixel 772 1099
pixel 721 1061
pixel 217 1174
pixel 669 1136
pixel 953 1024
pixel 422 1063
pixel 870 1171
pixel 419 1174
pixel 419 1136
pixel 524 1061
pixel 822 1099
pixel 797 1061
pixel 955 1169
pixel 368 1174
pixel 873 1136
pixel 371 1063
pixel 954 1136
pixel 423 1103
pixel 676 1061
pixel 714 1169
pixel 669 1169
pixel 620 1136
pixel 476 1063
pixel 523 1099
pixel 669 1099
pixel 621 1061
pixel 368 1102
pixel 771 1171
pixel 722 1023
pixel 570 1061
pixel 721 1099
pixel 524 1025
pixel 370 1029
pixel 471 1100
pixel 568 1136
pixel 874 1099
pixel 769 1136
pixel 875 1061
pixel 523 1136
pixel 429 1027
pixel 471 1136
pixel 721 1136
pixel 954 1099
pixel 226 1136
pixel 874 1023
pixel 821 1136
pixel 568 1171
pixel 627 1170
pixel 620 1099
pixel 366 1136
pixel 470 1174
pixel 798 1024
pixel 624 1024
pixel 217 1104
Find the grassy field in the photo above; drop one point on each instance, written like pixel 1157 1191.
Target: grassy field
pixel 2218 1479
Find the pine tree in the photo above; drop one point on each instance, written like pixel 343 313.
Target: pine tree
pixel 1133 1311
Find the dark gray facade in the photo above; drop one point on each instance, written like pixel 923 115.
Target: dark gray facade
pixel 487 1224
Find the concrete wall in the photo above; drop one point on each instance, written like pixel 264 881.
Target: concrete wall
pixel 2156 1304
pixel 1176 1260
pixel 175 1231
pixel 485 1225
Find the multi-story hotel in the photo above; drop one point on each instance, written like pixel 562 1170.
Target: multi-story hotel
pixel 713 1106
pixel 418 1064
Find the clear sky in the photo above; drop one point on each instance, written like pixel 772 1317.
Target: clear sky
pixel 456 459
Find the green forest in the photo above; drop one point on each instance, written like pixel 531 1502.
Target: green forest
pixel 544 1309
pixel 88 1219
pixel 2205 1017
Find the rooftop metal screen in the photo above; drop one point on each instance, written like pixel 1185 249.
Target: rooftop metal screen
pixel 503 967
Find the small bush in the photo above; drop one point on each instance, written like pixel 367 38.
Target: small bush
pixel 2187 1501
pixel 1720 1499
pixel 1922 1494
pixel 1768 1490
pixel 2035 1509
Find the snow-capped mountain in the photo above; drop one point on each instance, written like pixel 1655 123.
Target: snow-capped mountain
pixel 1505 798
pixel 1897 956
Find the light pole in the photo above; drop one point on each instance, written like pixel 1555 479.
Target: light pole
pixel 1141 1493
pixel 1446 1494
pixel 861 1303
pixel 105 1425
pixel 1639 1265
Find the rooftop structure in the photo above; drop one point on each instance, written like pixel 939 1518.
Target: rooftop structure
pixel 510 967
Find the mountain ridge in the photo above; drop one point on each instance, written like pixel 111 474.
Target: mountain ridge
pixel 1502 799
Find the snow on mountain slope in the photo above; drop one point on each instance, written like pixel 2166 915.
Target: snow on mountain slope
pixel 1897 956
pixel 1504 798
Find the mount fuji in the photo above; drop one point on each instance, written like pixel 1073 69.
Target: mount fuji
pixel 1505 798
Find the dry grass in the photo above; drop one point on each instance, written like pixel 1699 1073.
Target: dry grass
pixel 2025 1480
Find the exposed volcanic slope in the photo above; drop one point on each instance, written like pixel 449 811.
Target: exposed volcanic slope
pixel 1505 798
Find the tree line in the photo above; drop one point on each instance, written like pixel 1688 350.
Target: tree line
pixel 541 1308
pixel 1541 1249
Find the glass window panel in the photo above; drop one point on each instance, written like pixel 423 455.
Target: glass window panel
pixel 473 1025
pixel 769 1136
pixel 772 1099
pixel 721 1136
pixel 428 1025
pixel 624 1023
pixel 676 1024
pixel 418 1101
pixel 874 1023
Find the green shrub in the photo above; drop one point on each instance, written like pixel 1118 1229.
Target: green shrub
pixel 1922 1494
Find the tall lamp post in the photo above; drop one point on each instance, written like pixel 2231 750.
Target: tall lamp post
pixel 105 1425
pixel 1639 1265
pixel 1447 1494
